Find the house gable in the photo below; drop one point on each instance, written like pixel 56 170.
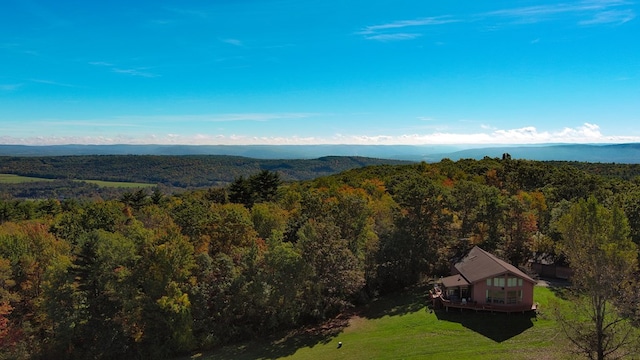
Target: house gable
pixel 483 281
pixel 479 265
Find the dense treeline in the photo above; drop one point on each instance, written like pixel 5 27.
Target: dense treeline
pixel 150 275
pixel 64 189
pixel 178 171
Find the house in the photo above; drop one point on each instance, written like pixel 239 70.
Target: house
pixel 482 281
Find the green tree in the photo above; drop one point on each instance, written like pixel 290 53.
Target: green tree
pixel 603 258
pixel 240 191
pixel 334 272
pixel 163 274
pixel 8 329
pixel 264 186
pixel 269 218
pixel 520 226
pixel 424 234
pixel 102 279
pixel 229 227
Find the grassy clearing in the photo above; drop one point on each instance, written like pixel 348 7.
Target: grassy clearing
pixel 17 179
pixel 402 327
pixel 118 184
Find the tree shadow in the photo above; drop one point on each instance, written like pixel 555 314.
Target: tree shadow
pixel 498 327
pixel 408 301
pixel 282 344
pixel 273 346
pixel 561 288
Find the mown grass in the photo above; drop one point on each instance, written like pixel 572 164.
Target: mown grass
pixel 118 184
pixel 17 179
pixel 403 327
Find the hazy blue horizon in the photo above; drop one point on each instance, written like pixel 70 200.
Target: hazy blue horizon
pixel 281 72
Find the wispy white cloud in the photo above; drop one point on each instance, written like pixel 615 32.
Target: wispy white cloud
pixel 18 49
pixel 588 12
pixel 10 87
pixel 135 72
pixel 90 123
pixel 610 17
pixel 260 116
pixel 140 72
pixel 387 32
pixel 53 83
pixel 591 12
pixel 587 133
pixel 393 37
pixel 234 42
pixel 203 118
pixel 194 13
pixel 100 63
pixel 407 23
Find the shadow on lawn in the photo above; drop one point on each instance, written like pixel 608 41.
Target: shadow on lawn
pixel 498 327
pixel 273 346
pixel 407 301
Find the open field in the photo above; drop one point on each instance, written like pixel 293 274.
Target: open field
pixel 118 184
pixel 403 327
pixel 17 179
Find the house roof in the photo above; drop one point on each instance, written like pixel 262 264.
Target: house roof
pixel 454 280
pixel 479 265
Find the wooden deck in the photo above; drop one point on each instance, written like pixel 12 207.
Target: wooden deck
pixel 491 308
pixel 439 301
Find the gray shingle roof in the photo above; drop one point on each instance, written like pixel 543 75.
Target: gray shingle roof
pixel 479 265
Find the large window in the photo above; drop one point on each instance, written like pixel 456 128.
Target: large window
pixel 513 281
pixel 495 297
pixel 514 297
pixel 498 293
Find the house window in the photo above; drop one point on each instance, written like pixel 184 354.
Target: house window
pixel 495 297
pixel 512 281
pixel 519 282
pixel 514 297
pixel 488 281
pixel 498 281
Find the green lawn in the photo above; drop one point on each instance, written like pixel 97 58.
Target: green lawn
pixel 16 179
pixel 118 184
pixel 402 327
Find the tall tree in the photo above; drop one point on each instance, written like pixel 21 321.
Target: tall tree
pixel 603 258
pixel 519 227
pixel 425 228
pixel 335 275
pixel 264 185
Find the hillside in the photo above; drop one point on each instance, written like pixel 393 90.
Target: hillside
pixel 158 275
pixel 401 326
pixel 619 153
pixel 172 173
pixel 615 153
pixel 179 171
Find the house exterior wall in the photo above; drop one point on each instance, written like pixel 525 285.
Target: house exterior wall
pixel 527 297
pixel 552 270
pixel 479 291
pixel 500 293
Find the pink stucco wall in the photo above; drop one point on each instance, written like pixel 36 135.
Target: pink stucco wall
pixel 480 290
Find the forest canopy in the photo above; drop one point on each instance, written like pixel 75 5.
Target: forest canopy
pixel 150 274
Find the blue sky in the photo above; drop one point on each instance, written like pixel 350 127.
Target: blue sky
pixel 319 72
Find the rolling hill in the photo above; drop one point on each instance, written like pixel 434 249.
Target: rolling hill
pixel 612 153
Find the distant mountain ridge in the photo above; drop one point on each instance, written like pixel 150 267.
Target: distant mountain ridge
pixel 613 153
